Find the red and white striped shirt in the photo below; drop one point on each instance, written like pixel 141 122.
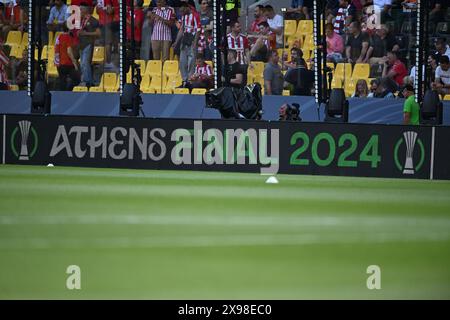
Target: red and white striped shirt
pixel 191 23
pixel 203 69
pixel 339 23
pixel 161 31
pixel 240 44
pixel 4 61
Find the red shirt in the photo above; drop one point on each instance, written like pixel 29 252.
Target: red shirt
pixel 254 27
pixel 63 42
pixel 79 2
pixel 240 44
pixel 15 12
pixel 399 68
pixel 138 22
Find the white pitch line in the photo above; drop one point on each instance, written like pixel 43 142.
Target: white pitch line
pixel 228 220
pixel 218 241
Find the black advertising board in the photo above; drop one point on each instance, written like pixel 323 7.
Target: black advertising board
pixel 225 145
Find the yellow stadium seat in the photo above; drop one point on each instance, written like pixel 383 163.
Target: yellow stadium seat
pixel 447 97
pixel 343 70
pixel 308 44
pixel 290 28
pixel 50 37
pixel 16 51
pixel 349 87
pixel 259 79
pixel 181 91
pixel 336 83
pixel 95 13
pixel 286 93
pixel 80 89
pixel 305 27
pixel 147 3
pixel 13 87
pixel 108 81
pixel 98 55
pixel 14 37
pixel 210 63
pixel 167 91
pixel 52 71
pixel 156 83
pixel 170 68
pixel 173 82
pixel 361 71
pixel 56 37
pixel 198 91
pixel 141 64
pixel 306 55
pixel 145 83
pixel 96 89
pixel 257 68
pixel 24 41
pixel 154 67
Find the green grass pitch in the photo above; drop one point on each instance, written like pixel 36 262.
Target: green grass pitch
pixel 139 234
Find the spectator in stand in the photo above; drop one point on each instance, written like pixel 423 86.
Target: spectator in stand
pixel 335 44
pixel 394 69
pixel 380 44
pixel 301 78
pixel 299 9
pixel 236 72
pixel 162 18
pixel 89 31
pixel 357 44
pixel 12 18
pixel 138 23
pixel 259 15
pixel 331 10
pixel 188 37
pixel 238 42
pixel 296 60
pixel 442 48
pixel 265 42
pixel 442 78
pixel 4 62
pixel 344 16
pixel 20 72
pixel 384 90
pixel 110 30
pixel 276 24
pixel 438 9
pixel 65 61
pixel 410 107
pixel 203 74
pixel 206 15
pixel 374 83
pixel 273 77
pixel 58 16
pixel 361 90
pixel 382 8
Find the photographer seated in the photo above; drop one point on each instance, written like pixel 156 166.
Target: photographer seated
pixel 236 72
pixel 203 75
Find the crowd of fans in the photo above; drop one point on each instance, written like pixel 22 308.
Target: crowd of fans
pixel 379 33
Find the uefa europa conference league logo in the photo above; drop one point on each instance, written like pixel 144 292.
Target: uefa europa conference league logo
pixel 410 139
pixel 28 147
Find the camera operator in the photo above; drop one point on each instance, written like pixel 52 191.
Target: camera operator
pixel 236 72
pixel 289 113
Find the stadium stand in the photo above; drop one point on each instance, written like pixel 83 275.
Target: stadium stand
pixel 297 33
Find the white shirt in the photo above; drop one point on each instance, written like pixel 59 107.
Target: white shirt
pixel 276 23
pixel 444 76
